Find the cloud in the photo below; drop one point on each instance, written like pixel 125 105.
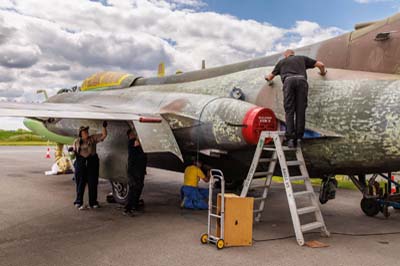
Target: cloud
pixel 11 93
pixel 5 32
pixel 7 75
pixel 306 32
pixel 14 56
pixel 189 3
pixel 62 42
pixel 57 67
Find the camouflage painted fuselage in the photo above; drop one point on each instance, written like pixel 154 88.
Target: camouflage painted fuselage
pixel 356 114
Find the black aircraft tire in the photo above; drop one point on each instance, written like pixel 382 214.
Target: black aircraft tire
pixel 370 207
pixel 120 192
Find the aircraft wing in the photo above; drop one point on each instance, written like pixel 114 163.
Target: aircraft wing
pixel 161 140
pixel 62 110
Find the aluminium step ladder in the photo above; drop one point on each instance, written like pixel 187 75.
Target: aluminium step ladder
pixel 262 179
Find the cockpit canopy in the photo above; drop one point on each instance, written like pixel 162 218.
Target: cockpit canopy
pixel 108 80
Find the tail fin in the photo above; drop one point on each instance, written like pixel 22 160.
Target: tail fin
pixel 161 70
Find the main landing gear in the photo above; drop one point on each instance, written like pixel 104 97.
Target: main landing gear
pixel 120 192
pixel 376 198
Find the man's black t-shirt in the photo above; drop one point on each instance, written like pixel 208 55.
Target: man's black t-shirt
pixel 292 66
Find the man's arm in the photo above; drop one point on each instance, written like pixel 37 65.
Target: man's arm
pixel 269 77
pixel 321 67
pixel 276 71
pixel 104 131
pixel 202 176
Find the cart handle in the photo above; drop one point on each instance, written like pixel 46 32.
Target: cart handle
pixel 216 173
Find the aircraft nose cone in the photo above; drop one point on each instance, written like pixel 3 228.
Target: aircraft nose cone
pixel 258 119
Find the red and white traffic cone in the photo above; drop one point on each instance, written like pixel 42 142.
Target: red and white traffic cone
pixel 48 153
pixel 393 188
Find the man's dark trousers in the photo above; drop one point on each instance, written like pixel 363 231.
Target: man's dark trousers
pixel 295 90
pixel 136 184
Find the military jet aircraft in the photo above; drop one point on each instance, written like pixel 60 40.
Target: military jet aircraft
pixel 353 124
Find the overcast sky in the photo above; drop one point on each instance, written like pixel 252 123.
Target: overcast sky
pixel 54 44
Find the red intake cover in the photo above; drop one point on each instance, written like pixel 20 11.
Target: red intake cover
pixel 258 119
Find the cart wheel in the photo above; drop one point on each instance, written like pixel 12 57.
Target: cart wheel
pixel 370 206
pixel 220 244
pixel 204 238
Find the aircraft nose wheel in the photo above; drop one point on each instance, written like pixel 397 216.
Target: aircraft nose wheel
pixel 370 207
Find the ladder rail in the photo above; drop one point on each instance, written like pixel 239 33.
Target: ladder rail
pixel 268 182
pixel 289 190
pixel 309 187
pixel 253 167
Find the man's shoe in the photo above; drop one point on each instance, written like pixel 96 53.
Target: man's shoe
pixel 299 142
pixel 77 205
pixel 82 207
pixel 141 202
pixel 96 206
pixel 138 209
pixel 291 144
pixel 128 213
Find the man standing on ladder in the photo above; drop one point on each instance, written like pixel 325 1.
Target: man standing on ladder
pixel 292 70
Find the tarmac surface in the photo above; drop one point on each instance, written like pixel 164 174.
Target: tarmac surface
pixel 40 226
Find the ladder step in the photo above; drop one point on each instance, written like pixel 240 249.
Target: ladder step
pixel 293 163
pixel 311 226
pixel 306 210
pixel 302 193
pixel 297 178
pixel 284 148
pixel 258 186
pixel 258 174
pixel 257 211
pixel 266 160
pixel 269 149
pixel 260 198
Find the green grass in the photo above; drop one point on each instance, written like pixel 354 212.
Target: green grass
pixel 342 182
pixel 24 143
pixel 20 137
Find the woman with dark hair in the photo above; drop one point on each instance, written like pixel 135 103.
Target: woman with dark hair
pixel 87 165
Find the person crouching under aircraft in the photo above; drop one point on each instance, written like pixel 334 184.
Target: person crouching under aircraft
pixel 137 161
pixel 87 165
pixel 192 196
